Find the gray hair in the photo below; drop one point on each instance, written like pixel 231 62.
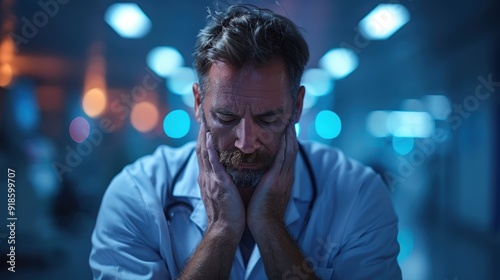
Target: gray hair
pixel 246 35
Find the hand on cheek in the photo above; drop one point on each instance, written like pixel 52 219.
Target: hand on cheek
pixel 270 199
pixel 223 204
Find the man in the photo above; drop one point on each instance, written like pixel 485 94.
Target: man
pixel 250 202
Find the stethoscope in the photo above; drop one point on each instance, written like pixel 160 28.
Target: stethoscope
pixel 178 211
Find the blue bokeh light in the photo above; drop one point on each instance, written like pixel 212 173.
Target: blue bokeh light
pixel 383 21
pixel 339 62
pixel 164 60
pixel 410 124
pixel 309 101
pixel 188 100
pixel 402 143
pixel 181 80
pixel 25 107
pixel 328 124
pixel 317 82
pixel 128 20
pixel 406 243
pixel 176 124
pixel 438 106
pixel 376 123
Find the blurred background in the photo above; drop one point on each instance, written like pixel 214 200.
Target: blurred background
pixel 407 87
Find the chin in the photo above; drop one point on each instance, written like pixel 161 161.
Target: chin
pixel 246 178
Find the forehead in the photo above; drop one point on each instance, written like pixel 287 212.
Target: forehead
pixel 265 86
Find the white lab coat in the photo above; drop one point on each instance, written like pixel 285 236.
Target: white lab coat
pixel 351 234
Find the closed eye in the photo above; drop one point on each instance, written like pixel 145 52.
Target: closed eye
pixel 226 119
pixel 268 119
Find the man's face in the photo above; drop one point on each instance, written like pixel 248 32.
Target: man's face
pixel 247 111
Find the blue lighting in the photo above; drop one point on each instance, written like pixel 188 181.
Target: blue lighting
pixel 181 80
pixel 309 101
pixel 177 124
pixel 297 129
pixel 410 124
pixel 188 100
pixel 128 20
pixel 402 142
pixel 25 109
pixel 164 60
pixel 376 123
pixel 412 105
pixel 339 62
pixel 43 179
pixel 328 124
pixel 439 106
pixel 383 21
pixel 317 82
pixel 406 242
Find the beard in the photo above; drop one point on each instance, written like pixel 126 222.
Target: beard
pixel 245 178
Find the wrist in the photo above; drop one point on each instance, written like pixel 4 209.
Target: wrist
pixel 267 227
pixel 225 231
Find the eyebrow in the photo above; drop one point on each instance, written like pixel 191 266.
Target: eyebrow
pixel 267 113
pixel 222 111
pixel 272 112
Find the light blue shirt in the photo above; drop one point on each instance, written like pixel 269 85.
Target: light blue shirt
pixel 351 233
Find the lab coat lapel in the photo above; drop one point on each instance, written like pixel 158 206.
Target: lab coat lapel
pixel 301 191
pixel 187 187
pixel 199 215
pixel 187 184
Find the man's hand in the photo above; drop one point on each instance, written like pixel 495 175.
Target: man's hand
pixel 223 204
pixel 214 255
pixel 270 199
pixel 266 213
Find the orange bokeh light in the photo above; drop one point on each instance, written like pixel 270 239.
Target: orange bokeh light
pixel 144 116
pixel 5 74
pixel 7 49
pixel 94 102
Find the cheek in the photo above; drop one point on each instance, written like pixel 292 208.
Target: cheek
pixel 273 134
pixel 267 137
pixel 225 137
pixel 271 140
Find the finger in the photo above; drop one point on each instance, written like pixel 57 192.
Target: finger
pixel 292 147
pixel 198 147
pixel 204 154
pixel 202 151
pixel 280 157
pixel 213 157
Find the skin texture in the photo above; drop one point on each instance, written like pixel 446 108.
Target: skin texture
pixel 249 110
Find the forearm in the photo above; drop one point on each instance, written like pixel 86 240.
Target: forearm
pixel 280 255
pixel 213 258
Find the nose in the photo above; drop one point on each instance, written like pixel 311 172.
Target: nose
pixel 247 136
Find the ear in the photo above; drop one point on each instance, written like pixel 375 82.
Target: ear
pixel 299 104
pixel 197 102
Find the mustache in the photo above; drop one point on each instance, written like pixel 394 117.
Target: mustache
pixel 236 157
